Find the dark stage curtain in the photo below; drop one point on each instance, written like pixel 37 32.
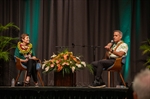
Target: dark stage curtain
pixel 87 24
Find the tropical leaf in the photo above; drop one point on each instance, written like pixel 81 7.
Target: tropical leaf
pixel 148 66
pixel 6 43
pixel 145 47
pixel 7 26
pixel 4 55
pixel 148 61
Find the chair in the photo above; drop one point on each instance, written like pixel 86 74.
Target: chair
pixel 116 67
pixel 22 67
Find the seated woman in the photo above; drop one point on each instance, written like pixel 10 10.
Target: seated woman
pixel 27 57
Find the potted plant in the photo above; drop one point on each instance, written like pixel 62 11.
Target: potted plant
pixel 6 43
pixel 146 50
pixel 65 64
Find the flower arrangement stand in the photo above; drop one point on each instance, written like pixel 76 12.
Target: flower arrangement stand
pixel 64 80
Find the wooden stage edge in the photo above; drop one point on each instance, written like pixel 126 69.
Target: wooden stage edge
pixel 61 92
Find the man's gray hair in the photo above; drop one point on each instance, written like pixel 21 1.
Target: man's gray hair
pixel 119 32
pixel 141 84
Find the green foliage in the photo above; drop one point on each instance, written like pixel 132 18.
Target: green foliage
pixel 7 26
pixel 4 55
pixel 146 50
pixel 6 43
pixel 90 67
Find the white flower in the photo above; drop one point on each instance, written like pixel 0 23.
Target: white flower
pixel 79 65
pixel 78 58
pixel 73 69
pixel 54 55
pixel 45 62
pixel 70 62
pixel 47 68
pixel 43 66
pixel 84 64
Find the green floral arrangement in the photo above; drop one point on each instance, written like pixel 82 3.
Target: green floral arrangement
pixel 66 62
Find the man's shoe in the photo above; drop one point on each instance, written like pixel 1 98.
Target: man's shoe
pixel 97 85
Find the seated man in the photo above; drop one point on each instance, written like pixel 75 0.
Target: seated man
pixel 115 49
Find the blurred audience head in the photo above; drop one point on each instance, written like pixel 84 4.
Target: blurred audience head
pixel 141 85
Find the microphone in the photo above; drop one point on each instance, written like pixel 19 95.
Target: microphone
pixel 112 42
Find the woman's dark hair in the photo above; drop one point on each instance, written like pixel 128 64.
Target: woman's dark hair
pixel 23 36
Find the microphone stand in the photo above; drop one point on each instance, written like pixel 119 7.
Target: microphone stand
pixel 73 46
pixel 62 48
pixel 94 51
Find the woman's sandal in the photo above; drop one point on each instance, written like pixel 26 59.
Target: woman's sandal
pixel 26 83
pixel 36 85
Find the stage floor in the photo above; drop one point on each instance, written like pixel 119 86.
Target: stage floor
pixel 61 92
